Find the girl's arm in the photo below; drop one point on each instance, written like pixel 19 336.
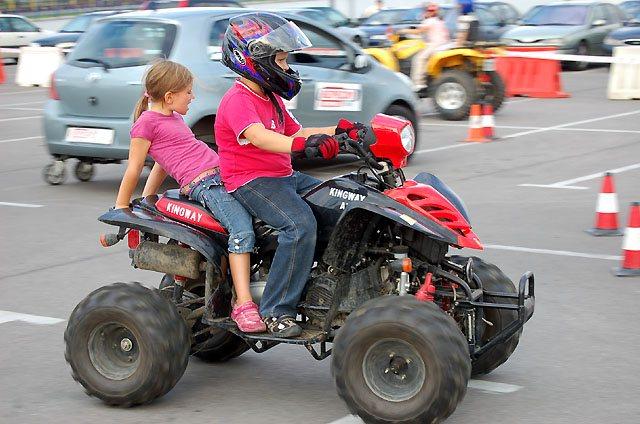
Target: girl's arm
pixel 155 180
pixel 306 132
pixel 137 154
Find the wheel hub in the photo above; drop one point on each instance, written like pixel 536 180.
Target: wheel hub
pixel 394 370
pixel 113 351
pixel 451 95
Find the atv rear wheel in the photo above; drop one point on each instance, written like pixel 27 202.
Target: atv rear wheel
pixel 217 345
pixel 126 344
pixel 453 94
pixel 496 90
pixel 398 360
pixel 493 279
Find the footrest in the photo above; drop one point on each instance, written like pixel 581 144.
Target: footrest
pixel 308 336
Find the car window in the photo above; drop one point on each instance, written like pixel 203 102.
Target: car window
pixel 216 36
pixel 511 14
pixel 124 43
pixel 486 18
pixel 335 17
pixel 325 51
pixel 613 13
pixel 79 24
pixel 557 15
pixel 4 25
pixel 20 25
pixel 384 17
pixel 599 14
pixel 161 4
pixel 631 7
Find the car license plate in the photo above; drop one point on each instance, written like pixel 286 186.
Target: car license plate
pixel 489 65
pixel 89 135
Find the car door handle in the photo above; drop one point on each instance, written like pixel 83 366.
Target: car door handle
pixel 134 83
pixel 230 76
pixel 21 36
pixel 306 78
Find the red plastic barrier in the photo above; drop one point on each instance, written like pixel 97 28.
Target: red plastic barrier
pixel 525 76
pixel 2 76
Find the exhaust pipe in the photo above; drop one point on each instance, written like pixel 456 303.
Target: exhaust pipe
pixel 167 258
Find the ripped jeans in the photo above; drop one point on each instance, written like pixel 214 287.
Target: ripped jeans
pixel 232 215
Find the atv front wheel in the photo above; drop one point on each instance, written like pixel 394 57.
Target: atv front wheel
pixel 453 94
pixel 493 279
pixel 496 90
pixel 398 360
pixel 126 344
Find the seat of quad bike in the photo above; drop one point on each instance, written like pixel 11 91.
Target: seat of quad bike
pixel 174 205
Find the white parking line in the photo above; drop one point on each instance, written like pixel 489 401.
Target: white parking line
pixel 24 104
pixel 566 183
pixel 21 139
pixel 21 205
pixel 570 124
pixel 517 127
pixel 20 119
pixel 22 92
pixel 28 109
pixel 8 316
pixel 553 252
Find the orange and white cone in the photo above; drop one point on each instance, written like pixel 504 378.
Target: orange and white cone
pixel 488 122
pixel 606 210
pixel 476 131
pixel 631 245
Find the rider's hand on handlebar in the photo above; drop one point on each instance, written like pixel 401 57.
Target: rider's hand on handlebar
pixel 350 128
pixel 316 146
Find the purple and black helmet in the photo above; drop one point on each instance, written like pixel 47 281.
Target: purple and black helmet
pixel 250 46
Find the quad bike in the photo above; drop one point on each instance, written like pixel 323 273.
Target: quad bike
pixel 408 324
pixel 456 78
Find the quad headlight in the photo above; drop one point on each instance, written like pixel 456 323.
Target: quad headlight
pixel 408 138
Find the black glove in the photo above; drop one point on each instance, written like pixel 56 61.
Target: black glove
pixel 315 146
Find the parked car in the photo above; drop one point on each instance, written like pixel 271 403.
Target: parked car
pixel 631 8
pixel 491 27
pixel 575 28
pixel 330 17
pixel 17 31
pixel 628 35
pixel 167 4
pixel 93 93
pixel 504 12
pixel 68 36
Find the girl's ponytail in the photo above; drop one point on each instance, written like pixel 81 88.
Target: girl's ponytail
pixel 141 106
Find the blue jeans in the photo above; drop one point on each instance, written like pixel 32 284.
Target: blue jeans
pixel 212 195
pixel 277 202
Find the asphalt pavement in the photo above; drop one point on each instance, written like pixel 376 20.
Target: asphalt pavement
pixel 577 358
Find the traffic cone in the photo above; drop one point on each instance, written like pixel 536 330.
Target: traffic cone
pixel 606 210
pixel 476 131
pixel 631 245
pixel 488 123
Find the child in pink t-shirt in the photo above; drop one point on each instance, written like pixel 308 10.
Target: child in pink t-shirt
pixel 256 136
pixel 161 133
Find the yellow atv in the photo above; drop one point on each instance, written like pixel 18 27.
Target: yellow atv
pixel 456 78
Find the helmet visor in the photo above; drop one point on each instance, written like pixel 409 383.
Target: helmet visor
pixel 285 38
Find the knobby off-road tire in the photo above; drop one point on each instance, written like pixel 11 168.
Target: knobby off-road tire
pixel 493 279
pixel 382 335
pixel 453 94
pixel 217 345
pixel 126 344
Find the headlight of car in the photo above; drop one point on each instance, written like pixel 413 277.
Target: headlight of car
pixel 553 41
pixel 408 137
pixel 613 41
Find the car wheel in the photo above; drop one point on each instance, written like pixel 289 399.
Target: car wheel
pixel 84 171
pixel 582 50
pixel 54 173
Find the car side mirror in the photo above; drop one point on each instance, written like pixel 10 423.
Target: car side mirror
pixel 361 61
pixel 599 22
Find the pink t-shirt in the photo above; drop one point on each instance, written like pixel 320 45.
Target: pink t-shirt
pixel 241 161
pixel 437 33
pixel 174 146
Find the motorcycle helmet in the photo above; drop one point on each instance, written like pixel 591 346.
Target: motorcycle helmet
pixel 466 6
pixel 250 46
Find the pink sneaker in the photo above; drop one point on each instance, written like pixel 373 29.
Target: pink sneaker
pixel 248 318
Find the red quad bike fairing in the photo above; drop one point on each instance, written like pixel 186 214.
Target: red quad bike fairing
pixel 407 322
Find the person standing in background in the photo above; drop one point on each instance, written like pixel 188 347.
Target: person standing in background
pixel 377 6
pixel 467 23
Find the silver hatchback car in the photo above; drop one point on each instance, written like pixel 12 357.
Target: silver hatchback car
pixel 93 94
